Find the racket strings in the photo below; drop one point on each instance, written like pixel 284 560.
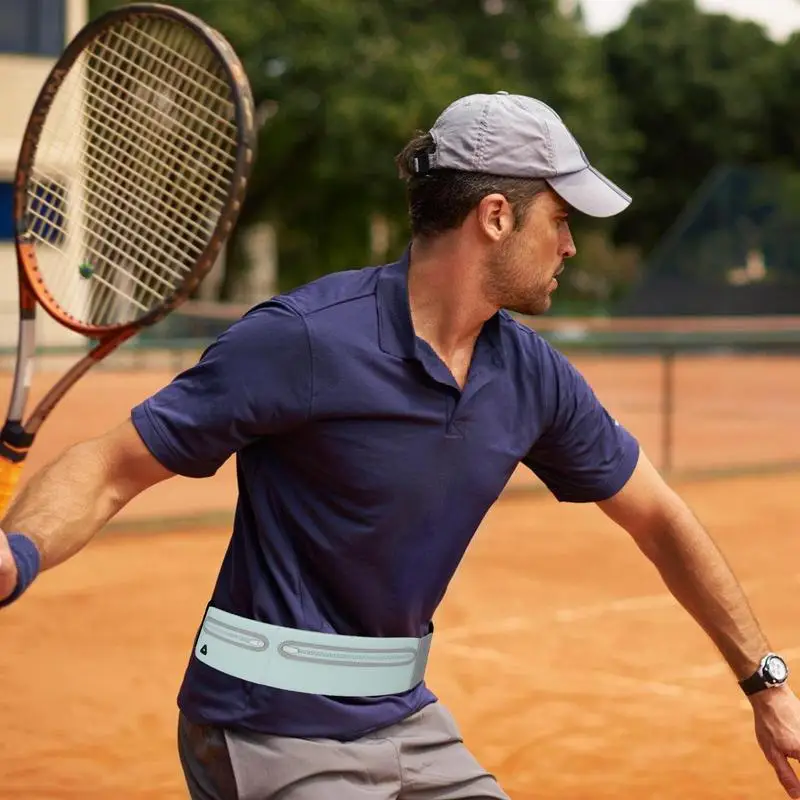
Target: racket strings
pixel 195 107
pixel 132 171
pixel 132 185
pixel 105 121
pixel 44 220
pixel 121 59
pixel 165 61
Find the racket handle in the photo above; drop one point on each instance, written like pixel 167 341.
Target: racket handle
pixel 9 478
pixel 14 446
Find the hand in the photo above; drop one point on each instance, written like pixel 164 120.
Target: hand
pixel 777 723
pixel 8 568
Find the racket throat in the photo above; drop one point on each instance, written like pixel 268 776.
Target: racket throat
pixel 26 347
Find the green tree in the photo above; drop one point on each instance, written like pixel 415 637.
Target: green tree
pixel 783 121
pixel 341 86
pixel 696 87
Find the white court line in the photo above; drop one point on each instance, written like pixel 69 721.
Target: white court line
pixel 504 625
pixel 575 614
pixel 644 603
pixel 595 682
pixel 455 642
pixel 586 681
pixel 652 602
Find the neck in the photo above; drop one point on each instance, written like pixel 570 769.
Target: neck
pixel 446 295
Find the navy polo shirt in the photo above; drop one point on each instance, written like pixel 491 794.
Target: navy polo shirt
pixel 363 472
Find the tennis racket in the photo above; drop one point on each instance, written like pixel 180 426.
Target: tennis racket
pixel 131 175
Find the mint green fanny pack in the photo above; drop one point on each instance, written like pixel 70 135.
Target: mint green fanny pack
pixel 308 662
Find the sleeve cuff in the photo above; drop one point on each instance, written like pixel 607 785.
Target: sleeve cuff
pixel 610 485
pixel 151 433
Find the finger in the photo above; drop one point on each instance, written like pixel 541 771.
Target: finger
pixel 786 775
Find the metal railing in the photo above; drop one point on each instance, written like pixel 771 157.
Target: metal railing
pixel 701 395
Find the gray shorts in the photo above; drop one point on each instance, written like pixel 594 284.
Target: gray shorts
pixel 420 758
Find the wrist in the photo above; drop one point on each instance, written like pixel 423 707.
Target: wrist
pixel 28 562
pixel 770 699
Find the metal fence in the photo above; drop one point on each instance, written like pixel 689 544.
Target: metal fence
pixel 733 250
pixel 702 395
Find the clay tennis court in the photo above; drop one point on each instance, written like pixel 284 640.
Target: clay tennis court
pixel 571 671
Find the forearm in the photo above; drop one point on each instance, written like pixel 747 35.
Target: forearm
pixel 65 504
pixel 700 579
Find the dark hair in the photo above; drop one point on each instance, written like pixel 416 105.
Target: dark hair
pixel 441 199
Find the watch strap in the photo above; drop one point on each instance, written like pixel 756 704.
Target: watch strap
pixel 755 683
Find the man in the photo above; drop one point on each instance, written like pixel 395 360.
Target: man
pixel 376 415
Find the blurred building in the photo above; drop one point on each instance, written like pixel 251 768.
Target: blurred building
pixel 33 34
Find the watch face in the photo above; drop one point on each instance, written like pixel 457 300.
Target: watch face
pixel 775 669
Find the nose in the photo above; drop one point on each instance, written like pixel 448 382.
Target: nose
pixel 568 249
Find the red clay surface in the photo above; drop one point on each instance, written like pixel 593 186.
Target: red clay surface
pixel 729 411
pixel 570 669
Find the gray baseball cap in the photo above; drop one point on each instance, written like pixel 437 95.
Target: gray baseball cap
pixel 517 136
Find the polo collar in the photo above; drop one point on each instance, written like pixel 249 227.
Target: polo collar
pixel 395 330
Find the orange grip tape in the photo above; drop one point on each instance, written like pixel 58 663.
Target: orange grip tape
pixel 9 478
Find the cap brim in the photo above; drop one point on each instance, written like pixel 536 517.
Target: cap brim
pixel 591 193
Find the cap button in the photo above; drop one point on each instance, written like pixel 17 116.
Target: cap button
pixel 501 92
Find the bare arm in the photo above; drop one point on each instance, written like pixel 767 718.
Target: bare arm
pixel 696 573
pixel 690 564
pixel 65 504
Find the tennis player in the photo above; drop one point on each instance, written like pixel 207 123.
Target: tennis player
pixel 376 415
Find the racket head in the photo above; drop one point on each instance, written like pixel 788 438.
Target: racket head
pixel 132 170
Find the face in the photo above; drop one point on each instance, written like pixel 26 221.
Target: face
pixel 521 272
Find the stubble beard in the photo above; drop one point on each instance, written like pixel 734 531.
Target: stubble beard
pixel 512 284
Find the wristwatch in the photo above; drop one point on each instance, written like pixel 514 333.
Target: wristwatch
pixel 772 671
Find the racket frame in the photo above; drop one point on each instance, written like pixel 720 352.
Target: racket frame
pixel 17 437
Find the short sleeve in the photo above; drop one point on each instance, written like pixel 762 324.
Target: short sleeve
pixel 583 454
pixel 253 381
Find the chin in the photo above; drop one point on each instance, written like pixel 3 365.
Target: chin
pixel 543 306
pixel 532 307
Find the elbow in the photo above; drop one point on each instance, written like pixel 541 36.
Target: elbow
pixel 126 467
pixel 656 533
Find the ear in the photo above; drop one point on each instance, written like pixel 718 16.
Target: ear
pixel 494 217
